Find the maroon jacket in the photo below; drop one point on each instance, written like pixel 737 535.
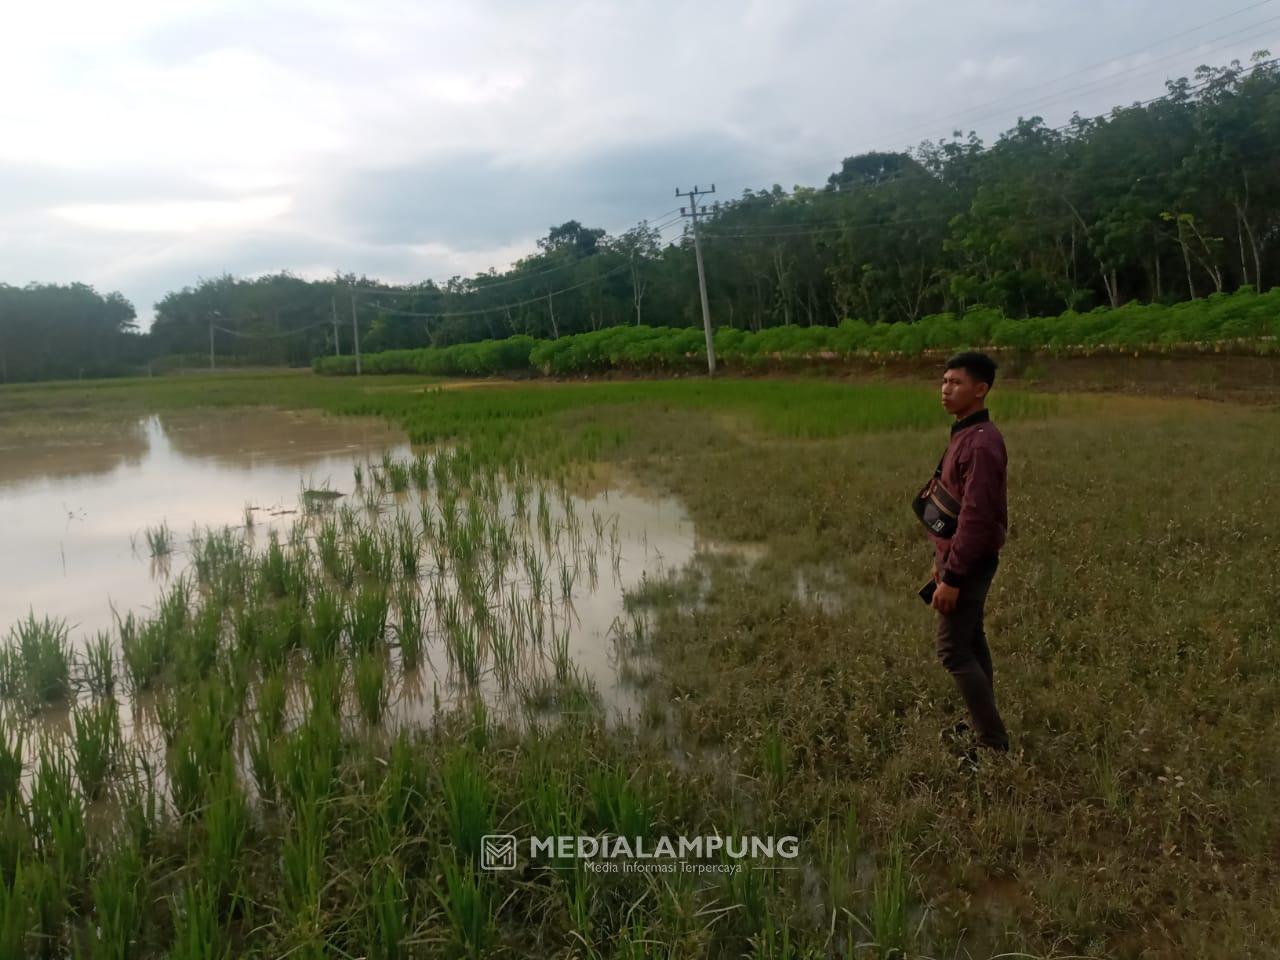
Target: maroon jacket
pixel 973 470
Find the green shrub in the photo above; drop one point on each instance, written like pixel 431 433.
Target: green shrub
pixel 1241 316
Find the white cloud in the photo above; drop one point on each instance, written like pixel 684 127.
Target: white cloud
pixel 175 216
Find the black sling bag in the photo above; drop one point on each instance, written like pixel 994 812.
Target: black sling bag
pixel 936 508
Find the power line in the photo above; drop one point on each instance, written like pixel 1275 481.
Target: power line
pixel 1139 69
pixel 957 118
pixel 509 280
pixel 773 200
pixel 1195 88
pixel 449 314
pixel 269 336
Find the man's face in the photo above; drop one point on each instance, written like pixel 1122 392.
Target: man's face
pixel 960 391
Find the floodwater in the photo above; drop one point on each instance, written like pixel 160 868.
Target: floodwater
pixel 76 511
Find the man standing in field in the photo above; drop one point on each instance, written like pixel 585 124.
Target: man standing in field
pixel 964 510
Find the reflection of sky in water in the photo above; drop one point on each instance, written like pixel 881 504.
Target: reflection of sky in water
pixel 68 533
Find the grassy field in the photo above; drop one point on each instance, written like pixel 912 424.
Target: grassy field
pixel 1132 626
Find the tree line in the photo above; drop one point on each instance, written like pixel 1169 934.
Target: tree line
pixel 1158 202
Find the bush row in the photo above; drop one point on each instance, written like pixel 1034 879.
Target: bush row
pixel 1241 316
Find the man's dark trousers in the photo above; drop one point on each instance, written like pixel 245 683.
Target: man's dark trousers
pixel 962 648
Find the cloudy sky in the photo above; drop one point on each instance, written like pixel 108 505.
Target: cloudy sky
pixel 148 143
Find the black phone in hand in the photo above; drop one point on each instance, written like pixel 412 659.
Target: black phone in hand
pixel 926 592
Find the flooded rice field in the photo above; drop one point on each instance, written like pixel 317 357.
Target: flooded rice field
pixel 288 554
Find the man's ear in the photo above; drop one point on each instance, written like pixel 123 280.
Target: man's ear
pixel 982 389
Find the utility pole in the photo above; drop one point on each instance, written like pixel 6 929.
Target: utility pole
pixel 694 212
pixel 211 365
pixel 355 331
pixel 333 305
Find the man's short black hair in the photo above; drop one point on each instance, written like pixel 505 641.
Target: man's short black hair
pixel 977 365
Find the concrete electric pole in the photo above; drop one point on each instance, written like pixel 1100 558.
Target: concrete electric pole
pixel 333 305
pixel 694 211
pixel 355 332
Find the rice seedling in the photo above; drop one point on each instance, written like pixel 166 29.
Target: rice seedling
pixel 841 846
pixel 174 608
pixel 386 913
pixel 367 617
pixel 420 471
pixel 619 807
pixel 407 545
pixel 12 744
pixel 97 744
pixel 269 703
pixel 10 674
pixel 544 515
pixel 328 548
pixel 118 890
pixel 201 746
pixel 219 560
pixel 56 811
pixel 302 857
pixel 282 632
pixel 140 806
pixel 198 654
pixel 463 648
pixel 197 932
pixel 889 906
pixel 27 908
pixel 260 744
pixel 560 658
pixel 357 471
pixel 225 819
pixel 160 540
pixel 537 574
pixel 402 791
pixel 372 498
pixel 347 518
pixel 367 551
pixel 146 649
pixel 410 627
pixel 553 806
pixel 467 902
pixel 299 539
pixel 324 627
pixel 273 569
pixel 469 800
pixel 397 474
pixel 775 757
pixel 324 687
pixel 41 658
pixel 99 665
pixel 248 515
pixel 502 646
pixel 567 577
pixel 370 676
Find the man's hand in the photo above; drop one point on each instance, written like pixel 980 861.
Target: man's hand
pixel 937 574
pixel 945 597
